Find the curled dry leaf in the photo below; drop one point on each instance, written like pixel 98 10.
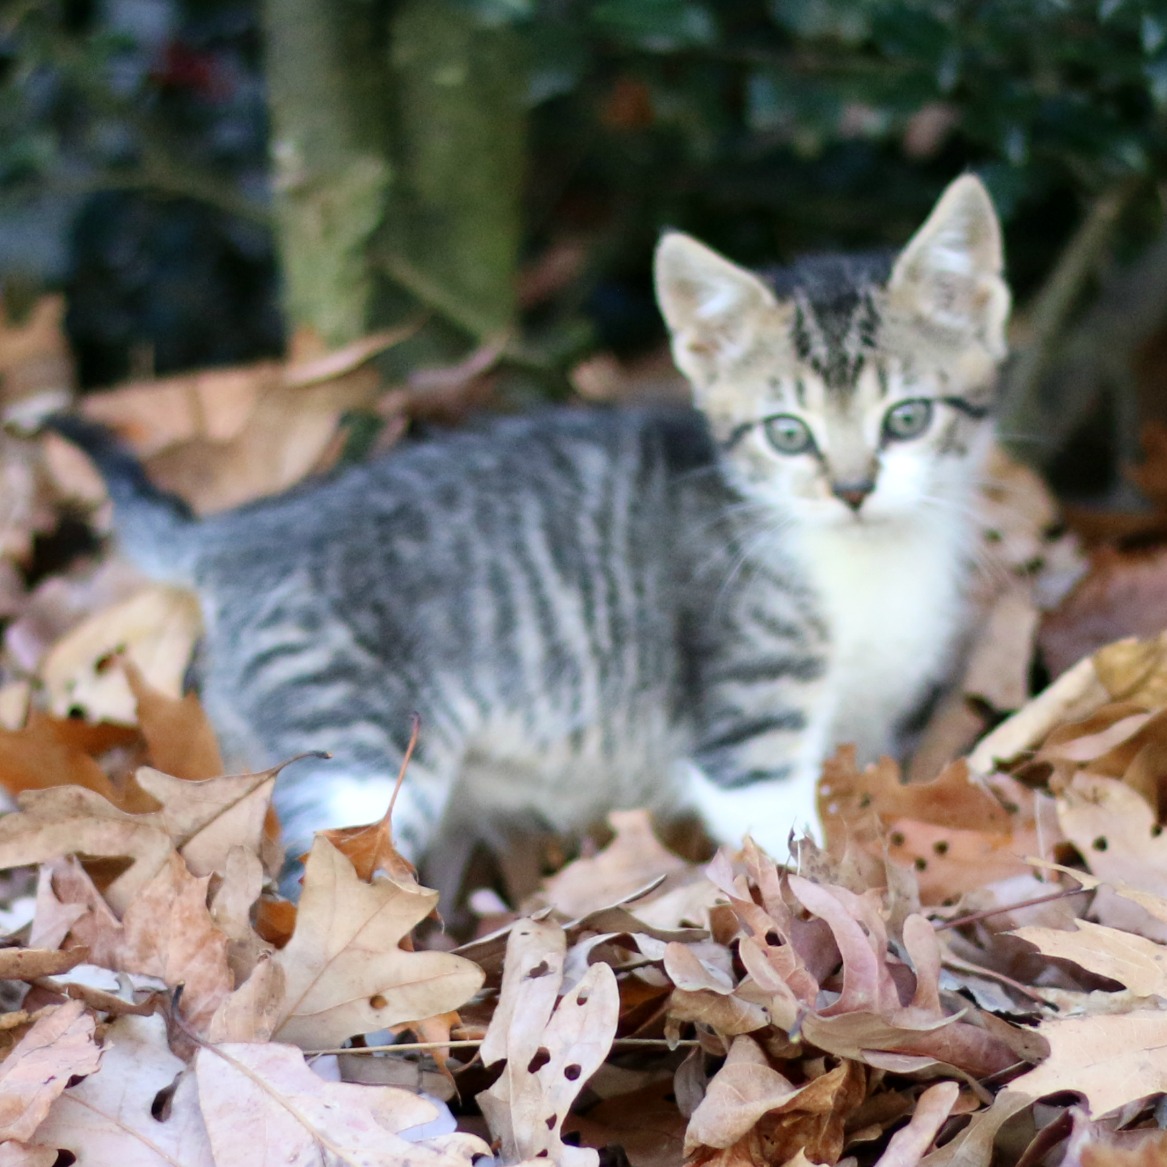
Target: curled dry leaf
pixel 550 1050
pixel 344 969
pixel 908 1146
pixel 307 1121
pixel 59 1047
pixel 27 964
pixel 973 1146
pixel 752 1114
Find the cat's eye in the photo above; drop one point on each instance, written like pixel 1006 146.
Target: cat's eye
pixel 787 434
pixel 907 420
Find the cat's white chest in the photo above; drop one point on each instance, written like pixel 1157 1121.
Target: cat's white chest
pixel 892 601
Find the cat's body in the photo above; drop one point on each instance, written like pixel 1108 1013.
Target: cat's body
pixel 615 608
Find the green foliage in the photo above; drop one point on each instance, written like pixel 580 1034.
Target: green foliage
pixel 774 125
pixel 767 126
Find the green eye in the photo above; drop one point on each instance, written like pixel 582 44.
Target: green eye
pixel 907 420
pixel 787 434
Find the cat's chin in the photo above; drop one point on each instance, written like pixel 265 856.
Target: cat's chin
pixel 830 515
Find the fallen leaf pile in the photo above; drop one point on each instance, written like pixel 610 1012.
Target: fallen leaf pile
pixel 971 971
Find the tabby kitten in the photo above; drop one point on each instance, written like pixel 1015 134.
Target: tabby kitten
pixel 593 609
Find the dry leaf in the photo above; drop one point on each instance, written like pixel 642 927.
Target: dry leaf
pixel 345 972
pixel 167 932
pixel 752 1114
pixel 27 964
pixel 60 1046
pixel 207 820
pixel 550 1050
pixel 21 1155
pixel 645 1124
pixel 309 1122
pixel 157 627
pixel 1111 1059
pixel 108 1117
pixel 1115 831
pixel 908 1146
pixel 973 1146
pixel 231 907
pixel 221 437
pixel 1133 961
pixel 1123 595
pixel 633 859
pixel 46 753
pixel 178 733
pixel 70 820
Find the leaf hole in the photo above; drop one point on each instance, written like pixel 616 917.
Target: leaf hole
pixel 541 1058
pixel 551 1120
pixel 773 939
pixel 539 970
pixel 572 1072
pixel 160 1106
pixel 581 999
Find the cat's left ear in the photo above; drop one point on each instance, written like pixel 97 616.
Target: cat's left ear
pixel 950 272
pixel 712 306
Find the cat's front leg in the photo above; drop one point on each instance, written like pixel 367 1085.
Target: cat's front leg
pixel 766 786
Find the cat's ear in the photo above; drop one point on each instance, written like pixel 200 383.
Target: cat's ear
pixel 950 272
pixel 710 305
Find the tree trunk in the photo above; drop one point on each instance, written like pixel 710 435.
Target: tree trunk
pixel 397 147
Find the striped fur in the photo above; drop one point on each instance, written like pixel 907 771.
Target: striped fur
pixel 592 609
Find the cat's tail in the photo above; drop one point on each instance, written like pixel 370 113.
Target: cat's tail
pixel 154 528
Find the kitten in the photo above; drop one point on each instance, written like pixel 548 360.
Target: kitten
pixel 589 609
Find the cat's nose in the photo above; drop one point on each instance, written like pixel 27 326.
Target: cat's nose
pixel 853 493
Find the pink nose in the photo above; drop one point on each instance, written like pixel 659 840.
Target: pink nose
pixel 852 493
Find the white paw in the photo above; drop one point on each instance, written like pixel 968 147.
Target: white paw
pixel 766 811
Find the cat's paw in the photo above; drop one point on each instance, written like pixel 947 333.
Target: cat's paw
pixel 770 811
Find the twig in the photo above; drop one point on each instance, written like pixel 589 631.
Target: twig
pixel 975 917
pixel 474 1043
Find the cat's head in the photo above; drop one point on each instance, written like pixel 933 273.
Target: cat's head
pixel 849 389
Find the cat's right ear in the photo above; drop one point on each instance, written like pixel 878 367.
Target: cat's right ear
pixel 710 305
